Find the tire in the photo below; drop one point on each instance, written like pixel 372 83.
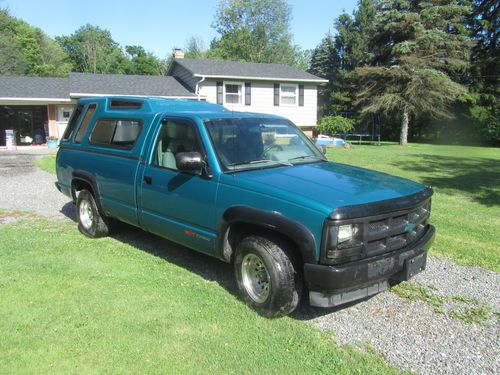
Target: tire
pixel 268 276
pixel 90 221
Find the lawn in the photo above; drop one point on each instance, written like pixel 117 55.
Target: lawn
pixel 46 163
pixel 135 303
pixel 466 203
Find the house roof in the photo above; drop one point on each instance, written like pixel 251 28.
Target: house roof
pixel 34 88
pixel 55 90
pixel 85 84
pixel 245 70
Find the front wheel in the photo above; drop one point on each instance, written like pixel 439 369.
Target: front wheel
pixel 268 276
pixel 90 222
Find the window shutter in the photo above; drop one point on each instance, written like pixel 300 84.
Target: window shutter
pixel 301 95
pixel 248 93
pixel 220 93
pixel 276 94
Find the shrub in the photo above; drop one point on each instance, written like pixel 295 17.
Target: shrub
pixel 335 125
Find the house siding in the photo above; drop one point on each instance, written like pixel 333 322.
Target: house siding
pixel 263 102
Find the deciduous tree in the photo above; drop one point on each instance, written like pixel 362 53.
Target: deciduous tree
pixel 142 62
pixel 253 30
pixel 93 50
pixel 26 50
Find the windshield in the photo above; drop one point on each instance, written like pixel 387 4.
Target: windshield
pixel 255 143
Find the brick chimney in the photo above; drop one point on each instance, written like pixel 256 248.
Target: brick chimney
pixel 178 53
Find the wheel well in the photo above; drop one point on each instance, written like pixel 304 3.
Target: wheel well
pixel 78 185
pixel 239 230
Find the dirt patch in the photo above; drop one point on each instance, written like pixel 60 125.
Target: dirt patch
pixel 7 218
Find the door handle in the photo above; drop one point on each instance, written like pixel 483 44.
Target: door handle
pixel 148 180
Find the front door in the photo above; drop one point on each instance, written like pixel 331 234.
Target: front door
pixel 176 205
pixel 62 117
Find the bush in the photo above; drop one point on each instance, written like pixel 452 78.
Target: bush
pixel 335 125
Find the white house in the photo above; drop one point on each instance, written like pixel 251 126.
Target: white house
pixel 252 87
pixel 42 106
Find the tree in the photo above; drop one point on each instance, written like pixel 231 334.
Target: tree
pixel 195 48
pixel 335 125
pixel 416 45
pixel 325 64
pixel 253 30
pixel 484 101
pixel 142 62
pixel 26 50
pixel 352 41
pixel 484 26
pixel 93 50
pixel 336 57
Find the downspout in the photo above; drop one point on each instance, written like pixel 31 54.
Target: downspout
pixel 197 88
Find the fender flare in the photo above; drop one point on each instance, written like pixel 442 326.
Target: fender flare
pixel 91 180
pixel 271 220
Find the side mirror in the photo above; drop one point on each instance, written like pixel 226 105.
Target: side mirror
pixel 322 148
pixel 189 162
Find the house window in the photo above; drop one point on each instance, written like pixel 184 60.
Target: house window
pixel 233 93
pixel 288 94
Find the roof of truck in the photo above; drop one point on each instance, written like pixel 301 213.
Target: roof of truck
pixel 149 105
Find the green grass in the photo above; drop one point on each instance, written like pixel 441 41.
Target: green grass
pixel 458 307
pixel 137 304
pixel 466 203
pixel 46 163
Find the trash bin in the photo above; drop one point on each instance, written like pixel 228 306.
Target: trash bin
pixel 10 139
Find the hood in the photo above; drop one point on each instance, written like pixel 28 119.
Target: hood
pixel 325 185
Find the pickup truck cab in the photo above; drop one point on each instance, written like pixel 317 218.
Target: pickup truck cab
pixel 250 189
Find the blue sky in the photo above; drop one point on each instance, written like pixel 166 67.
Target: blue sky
pixel 160 25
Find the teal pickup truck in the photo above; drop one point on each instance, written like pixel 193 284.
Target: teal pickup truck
pixel 246 188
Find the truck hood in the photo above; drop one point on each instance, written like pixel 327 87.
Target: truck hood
pixel 325 185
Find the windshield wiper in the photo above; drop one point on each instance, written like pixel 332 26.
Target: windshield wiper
pixel 258 162
pixel 306 157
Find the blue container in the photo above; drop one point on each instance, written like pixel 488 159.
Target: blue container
pixel 52 144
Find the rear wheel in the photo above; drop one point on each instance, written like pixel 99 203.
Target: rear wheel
pixel 90 221
pixel 267 275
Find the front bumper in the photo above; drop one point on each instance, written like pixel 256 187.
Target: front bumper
pixel 335 285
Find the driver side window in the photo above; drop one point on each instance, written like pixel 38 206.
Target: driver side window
pixel 174 137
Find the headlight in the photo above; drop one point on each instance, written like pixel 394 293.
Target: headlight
pixel 345 233
pixel 343 243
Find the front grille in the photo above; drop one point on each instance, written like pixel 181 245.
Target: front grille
pixel 377 228
pixel 393 231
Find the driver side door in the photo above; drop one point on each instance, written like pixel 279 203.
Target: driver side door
pixel 177 205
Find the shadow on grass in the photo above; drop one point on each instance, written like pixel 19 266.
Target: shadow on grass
pixel 208 268
pixel 478 177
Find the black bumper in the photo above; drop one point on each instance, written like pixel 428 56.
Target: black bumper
pixel 355 275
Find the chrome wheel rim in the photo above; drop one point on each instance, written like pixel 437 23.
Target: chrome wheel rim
pixel 86 214
pixel 256 279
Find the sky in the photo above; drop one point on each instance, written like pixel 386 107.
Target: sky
pixel 161 25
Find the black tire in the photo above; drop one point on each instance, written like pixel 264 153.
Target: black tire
pixel 90 221
pixel 272 259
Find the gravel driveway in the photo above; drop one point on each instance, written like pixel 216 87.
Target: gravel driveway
pixel 24 187
pixel 412 334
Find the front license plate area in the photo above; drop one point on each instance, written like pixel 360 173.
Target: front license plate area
pixel 412 266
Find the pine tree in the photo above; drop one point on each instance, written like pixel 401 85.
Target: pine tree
pixel 484 101
pixel 416 46
pixel 325 64
pixel 336 57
